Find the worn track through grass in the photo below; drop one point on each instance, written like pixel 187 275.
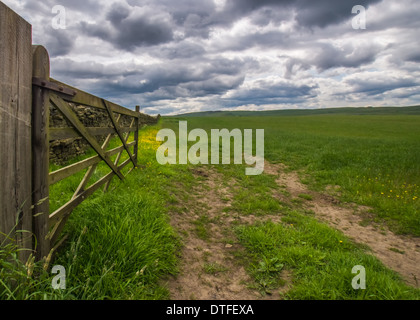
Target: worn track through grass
pixel 210 267
pixel 398 252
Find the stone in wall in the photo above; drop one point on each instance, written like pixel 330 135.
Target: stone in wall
pixel 62 151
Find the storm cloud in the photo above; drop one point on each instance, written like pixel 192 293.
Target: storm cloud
pixel 187 55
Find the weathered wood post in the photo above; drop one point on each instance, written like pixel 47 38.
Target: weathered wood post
pixel 15 130
pixel 40 151
pixel 136 136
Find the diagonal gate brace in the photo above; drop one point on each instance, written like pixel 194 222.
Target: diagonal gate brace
pixel 117 128
pixel 78 125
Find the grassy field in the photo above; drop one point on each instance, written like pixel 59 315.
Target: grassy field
pixel 121 243
pixel 375 159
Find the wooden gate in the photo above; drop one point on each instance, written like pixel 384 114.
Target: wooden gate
pixel 48 93
pixel 26 95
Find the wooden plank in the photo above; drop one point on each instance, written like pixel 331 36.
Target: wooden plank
pixel 116 126
pixel 68 171
pixel 70 133
pixel 69 206
pixel 92 169
pixel 127 136
pixel 43 83
pixel 40 151
pixel 88 99
pixel 71 116
pixel 124 164
pixel 136 136
pixel 15 128
pixel 83 184
pixel 117 160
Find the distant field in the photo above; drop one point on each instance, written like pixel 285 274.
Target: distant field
pixel 297 112
pixel 373 154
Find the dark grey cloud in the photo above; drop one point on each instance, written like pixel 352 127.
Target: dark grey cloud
pixel 93 70
pixel 329 56
pixel 193 18
pixel 309 13
pixel 269 92
pixel 267 15
pixel 180 50
pixel 259 39
pixel 46 6
pixel 171 81
pixel 180 9
pixel 76 5
pixel 59 42
pixel 240 8
pixel 326 56
pixel 400 54
pixel 216 85
pixel 322 13
pixel 128 29
pixel 198 18
pixel 413 56
pixel 117 13
pixel 133 33
pixel 374 86
pixel 37 6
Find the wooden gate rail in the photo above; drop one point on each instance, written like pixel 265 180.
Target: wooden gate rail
pixel 50 92
pixel 87 99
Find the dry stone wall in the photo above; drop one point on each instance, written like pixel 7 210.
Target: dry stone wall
pixel 63 150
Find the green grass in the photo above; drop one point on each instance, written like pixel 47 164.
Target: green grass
pixel 254 194
pixel 312 259
pixel 305 196
pixel 201 227
pixel 357 153
pixel 213 268
pixel 120 242
pixel 320 260
pixel 375 159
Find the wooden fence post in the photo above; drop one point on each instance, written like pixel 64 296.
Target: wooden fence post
pixel 40 152
pixel 15 130
pixel 136 136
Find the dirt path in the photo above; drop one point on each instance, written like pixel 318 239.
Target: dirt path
pixel 210 267
pixel 400 253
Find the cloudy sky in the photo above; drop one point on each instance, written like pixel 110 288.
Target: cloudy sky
pixel 177 56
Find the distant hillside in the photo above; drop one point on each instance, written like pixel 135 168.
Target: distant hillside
pixel 412 110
